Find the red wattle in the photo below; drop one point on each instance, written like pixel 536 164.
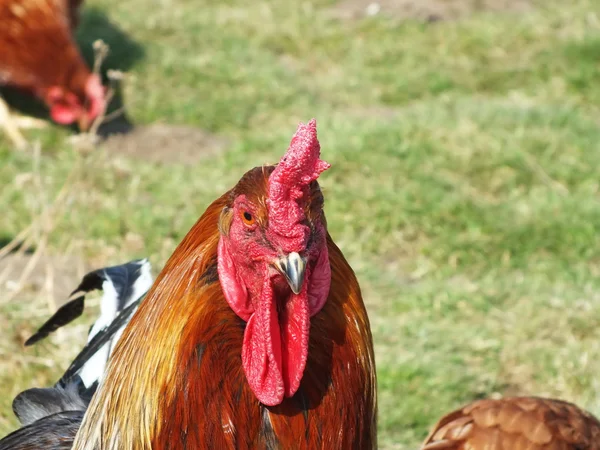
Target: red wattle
pixel 275 346
pixel 295 329
pixel 274 352
pixel 261 353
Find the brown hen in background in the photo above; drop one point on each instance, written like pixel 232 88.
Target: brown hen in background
pixel 516 423
pixel 38 54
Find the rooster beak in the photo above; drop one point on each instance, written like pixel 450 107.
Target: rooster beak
pixel 293 268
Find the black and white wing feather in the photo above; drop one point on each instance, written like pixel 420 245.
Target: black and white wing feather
pixel 122 286
pixel 51 416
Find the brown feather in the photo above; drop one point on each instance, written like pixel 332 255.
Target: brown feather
pixel 516 423
pixel 37 49
pixel 176 380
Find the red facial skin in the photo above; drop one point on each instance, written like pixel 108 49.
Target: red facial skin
pixel 276 338
pixel 67 108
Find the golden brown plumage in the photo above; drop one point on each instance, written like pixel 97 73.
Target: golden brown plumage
pixel 516 423
pixel 176 379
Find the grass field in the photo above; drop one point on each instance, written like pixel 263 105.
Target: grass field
pixel 464 189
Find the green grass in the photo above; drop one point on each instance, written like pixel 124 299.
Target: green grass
pixel 464 187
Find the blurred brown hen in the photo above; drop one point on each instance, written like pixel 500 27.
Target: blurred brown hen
pixel 38 54
pixel 516 423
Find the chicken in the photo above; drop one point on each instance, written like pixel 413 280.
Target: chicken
pixel 38 54
pixel 253 336
pixel 516 423
pixel 52 416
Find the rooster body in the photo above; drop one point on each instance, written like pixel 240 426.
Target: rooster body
pixel 516 423
pixel 38 54
pixel 205 363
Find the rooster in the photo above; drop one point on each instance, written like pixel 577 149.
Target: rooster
pixel 253 336
pixel 51 416
pixel 38 54
pixel 516 423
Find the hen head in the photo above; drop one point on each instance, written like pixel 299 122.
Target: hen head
pixel 273 264
pixel 67 106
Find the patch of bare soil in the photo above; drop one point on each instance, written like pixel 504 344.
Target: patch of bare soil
pixel 53 275
pixel 166 144
pixel 428 10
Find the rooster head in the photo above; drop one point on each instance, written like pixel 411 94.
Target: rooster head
pixel 273 264
pixel 67 107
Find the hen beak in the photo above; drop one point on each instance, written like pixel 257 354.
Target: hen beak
pixel 293 268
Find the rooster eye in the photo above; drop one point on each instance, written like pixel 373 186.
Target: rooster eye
pixel 248 218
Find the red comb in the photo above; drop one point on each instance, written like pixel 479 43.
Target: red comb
pixel 288 184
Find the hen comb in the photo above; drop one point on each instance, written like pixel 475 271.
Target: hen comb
pixel 289 183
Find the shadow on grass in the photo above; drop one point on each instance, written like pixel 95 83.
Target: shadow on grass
pixel 6 239
pixel 124 54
